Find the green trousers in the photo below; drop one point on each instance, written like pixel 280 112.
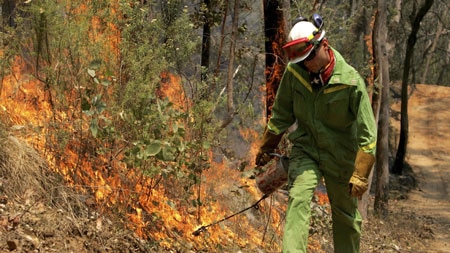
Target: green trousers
pixel 304 175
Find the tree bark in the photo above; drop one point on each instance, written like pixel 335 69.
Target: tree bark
pixel 8 10
pixel 274 30
pixel 206 42
pixel 412 38
pixel 445 68
pixel 430 54
pixel 382 157
pixel 222 39
pixel 230 88
pixel 398 11
pixel 363 203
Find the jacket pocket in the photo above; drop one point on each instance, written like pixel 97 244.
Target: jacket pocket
pixel 336 113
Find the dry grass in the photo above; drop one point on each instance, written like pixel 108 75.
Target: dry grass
pixel 23 169
pixel 25 174
pixel 39 212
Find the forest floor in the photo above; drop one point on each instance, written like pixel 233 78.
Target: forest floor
pixel 419 205
pixel 51 218
pixel 429 157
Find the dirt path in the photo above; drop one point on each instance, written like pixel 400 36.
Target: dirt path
pixel 429 157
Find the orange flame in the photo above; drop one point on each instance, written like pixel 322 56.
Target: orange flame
pixel 22 100
pixel 24 104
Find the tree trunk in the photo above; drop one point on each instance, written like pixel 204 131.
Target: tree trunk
pixel 445 68
pixel 397 11
pixel 206 42
pixel 439 32
pixel 274 30
pixel 412 38
pixel 382 156
pixel 363 203
pixel 230 88
pixel 222 39
pixel 8 10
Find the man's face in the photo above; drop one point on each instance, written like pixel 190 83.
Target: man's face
pixel 319 58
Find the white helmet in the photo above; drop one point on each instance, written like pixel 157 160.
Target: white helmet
pixel 302 40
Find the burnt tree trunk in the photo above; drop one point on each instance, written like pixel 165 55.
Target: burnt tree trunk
pixel 274 30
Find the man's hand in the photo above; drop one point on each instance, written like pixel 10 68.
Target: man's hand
pixel 359 182
pixel 269 143
pixel 262 158
pixel 358 185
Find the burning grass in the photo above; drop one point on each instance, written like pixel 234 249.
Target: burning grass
pixel 39 212
pixel 154 209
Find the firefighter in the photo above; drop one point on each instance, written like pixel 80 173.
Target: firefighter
pixel 335 138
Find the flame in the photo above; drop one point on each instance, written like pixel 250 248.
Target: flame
pixel 274 73
pixel 322 198
pixel 24 102
pixel 172 88
pixel 253 137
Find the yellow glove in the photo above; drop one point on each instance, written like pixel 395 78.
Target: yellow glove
pixel 270 142
pixel 359 180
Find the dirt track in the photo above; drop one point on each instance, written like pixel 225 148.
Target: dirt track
pixel 429 156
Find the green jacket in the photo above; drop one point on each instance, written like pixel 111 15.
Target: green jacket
pixel 333 122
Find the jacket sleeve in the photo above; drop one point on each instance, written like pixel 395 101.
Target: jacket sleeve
pixel 282 111
pixel 365 120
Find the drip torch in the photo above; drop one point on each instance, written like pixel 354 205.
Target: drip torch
pixel 267 181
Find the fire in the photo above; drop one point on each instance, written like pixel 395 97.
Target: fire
pixel 322 198
pixel 24 102
pixel 21 99
pixel 252 137
pixel 172 88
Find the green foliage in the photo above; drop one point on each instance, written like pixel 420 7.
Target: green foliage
pixel 105 74
pixel 155 129
pixel 213 14
pixel 160 135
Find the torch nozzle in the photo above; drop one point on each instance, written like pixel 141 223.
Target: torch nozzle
pixel 199 231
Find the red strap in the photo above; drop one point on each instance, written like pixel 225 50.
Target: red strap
pixel 328 70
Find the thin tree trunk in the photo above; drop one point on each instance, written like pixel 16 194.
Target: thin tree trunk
pixel 8 12
pixel 354 6
pixel 206 43
pixel 445 68
pixel 222 38
pixel 439 31
pixel 382 157
pixel 363 203
pixel 397 11
pixel 402 146
pixel 230 88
